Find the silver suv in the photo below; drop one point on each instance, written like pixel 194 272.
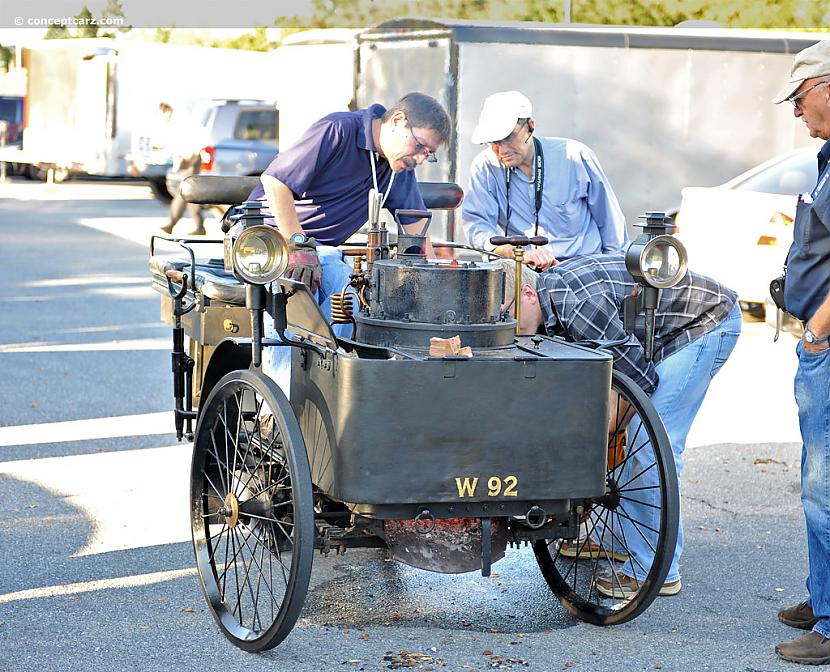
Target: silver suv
pixel 242 137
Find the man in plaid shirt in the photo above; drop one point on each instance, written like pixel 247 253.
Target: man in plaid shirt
pixel 697 324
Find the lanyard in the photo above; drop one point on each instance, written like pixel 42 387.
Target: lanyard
pixel 375 179
pixel 538 182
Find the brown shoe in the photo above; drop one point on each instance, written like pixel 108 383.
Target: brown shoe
pixel 588 549
pixel 799 616
pixel 622 587
pixel 811 649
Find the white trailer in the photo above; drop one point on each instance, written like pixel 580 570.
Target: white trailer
pixel 663 108
pixel 317 77
pixel 92 103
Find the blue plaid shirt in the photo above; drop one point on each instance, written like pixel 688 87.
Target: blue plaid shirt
pixel 582 299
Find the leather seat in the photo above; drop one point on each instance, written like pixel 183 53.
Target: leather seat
pixel 211 279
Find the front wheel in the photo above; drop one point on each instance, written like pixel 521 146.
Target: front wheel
pixel 252 511
pixel 617 566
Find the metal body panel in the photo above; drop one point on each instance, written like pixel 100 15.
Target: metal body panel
pixel 402 431
pixel 213 325
pixel 415 300
pixel 440 293
pixel 395 333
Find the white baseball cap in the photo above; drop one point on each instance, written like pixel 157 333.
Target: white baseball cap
pixel 499 115
pixel 810 62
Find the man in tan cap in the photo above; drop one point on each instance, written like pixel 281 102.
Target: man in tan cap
pixel 527 185
pixel 807 296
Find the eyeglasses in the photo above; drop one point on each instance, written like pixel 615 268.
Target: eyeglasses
pixel 797 100
pixel 420 147
pixel 511 137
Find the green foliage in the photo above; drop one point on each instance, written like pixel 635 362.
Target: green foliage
pixel 789 14
pixel 256 40
pixel 162 35
pixel 85 29
pixel 114 10
pixel 56 32
pixel 6 56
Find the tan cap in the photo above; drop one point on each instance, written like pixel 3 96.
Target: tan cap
pixel 810 62
pixel 499 115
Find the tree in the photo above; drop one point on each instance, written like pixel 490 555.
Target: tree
pixel 791 14
pixel 256 40
pixel 85 28
pixel 114 10
pixel 57 32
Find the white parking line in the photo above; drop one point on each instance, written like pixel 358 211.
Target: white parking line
pixel 139 229
pixel 136 344
pixel 83 280
pixel 144 424
pixel 102 584
pixel 132 498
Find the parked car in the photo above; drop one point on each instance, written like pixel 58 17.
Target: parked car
pixel 740 232
pixel 242 140
pixel 11 130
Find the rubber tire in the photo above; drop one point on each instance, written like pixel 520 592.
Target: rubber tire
pixel 293 454
pixel 596 612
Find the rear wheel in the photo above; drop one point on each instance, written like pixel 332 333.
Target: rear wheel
pixel 616 569
pixel 252 512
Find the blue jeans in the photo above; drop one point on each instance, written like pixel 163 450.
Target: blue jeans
pixel 276 360
pixel 812 394
pixel 684 381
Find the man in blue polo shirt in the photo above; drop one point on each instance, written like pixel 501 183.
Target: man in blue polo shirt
pixel 526 185
pixel 317 190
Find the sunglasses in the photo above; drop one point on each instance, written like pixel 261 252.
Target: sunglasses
pixel 799 99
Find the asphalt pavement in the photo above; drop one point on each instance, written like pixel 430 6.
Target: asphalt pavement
pixel 96 566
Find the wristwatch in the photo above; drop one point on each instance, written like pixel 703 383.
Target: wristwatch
pixel 299 238
pixel 810 337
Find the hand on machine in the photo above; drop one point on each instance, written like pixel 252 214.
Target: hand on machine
pixel 540 259
pixel 303 262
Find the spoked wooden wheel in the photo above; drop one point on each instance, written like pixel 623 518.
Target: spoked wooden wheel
pixel 252 512
pixel 617 566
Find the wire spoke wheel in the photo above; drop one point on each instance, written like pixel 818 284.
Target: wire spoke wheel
pixel 252 512
pixel 615 568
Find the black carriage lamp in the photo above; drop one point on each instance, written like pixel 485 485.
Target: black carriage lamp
pixel 656 260
pixel 257 255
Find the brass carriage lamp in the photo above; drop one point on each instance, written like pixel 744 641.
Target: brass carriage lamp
pixel 656 260
pixel 260 254
pixel 257 255
pixel 254 252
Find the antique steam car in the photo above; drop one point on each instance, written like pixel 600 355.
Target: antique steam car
pixel 442 459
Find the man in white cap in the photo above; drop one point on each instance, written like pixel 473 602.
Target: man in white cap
pixel 807 296
pixel 526 185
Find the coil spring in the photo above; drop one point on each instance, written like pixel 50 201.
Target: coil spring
pixel 342 307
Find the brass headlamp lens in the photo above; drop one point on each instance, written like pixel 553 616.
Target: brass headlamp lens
pixel 260 254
